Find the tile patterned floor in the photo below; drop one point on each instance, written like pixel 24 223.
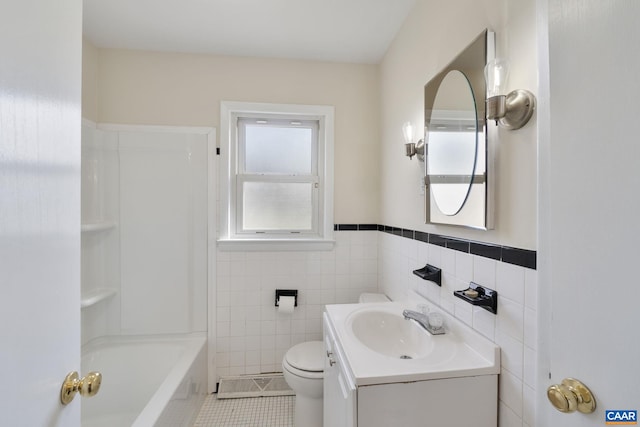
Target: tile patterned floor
pixel 247 412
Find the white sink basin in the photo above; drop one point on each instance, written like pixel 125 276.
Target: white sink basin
pixel 390 334
pixel 375 337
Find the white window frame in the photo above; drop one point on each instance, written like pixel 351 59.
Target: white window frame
pixel 229 238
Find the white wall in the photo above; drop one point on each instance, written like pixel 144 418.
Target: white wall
pixel 432 36
pixel 90 60
pixel 149 88
pixel 435 33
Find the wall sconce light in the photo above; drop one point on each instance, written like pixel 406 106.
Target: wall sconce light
pixel 412 148
pixel 510 111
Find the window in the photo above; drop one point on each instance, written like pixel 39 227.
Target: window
pixel 277 175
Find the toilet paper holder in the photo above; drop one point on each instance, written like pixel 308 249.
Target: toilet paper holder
pixel 287 293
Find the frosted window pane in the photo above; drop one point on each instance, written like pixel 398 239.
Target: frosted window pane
pixel 450 197
pixel 277 206
pixel 282 150
pixel 451 153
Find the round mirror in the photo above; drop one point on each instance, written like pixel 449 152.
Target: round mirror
pixel 452 138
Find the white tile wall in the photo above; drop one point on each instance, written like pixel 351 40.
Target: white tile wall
pixel 252 336
pixel 513 328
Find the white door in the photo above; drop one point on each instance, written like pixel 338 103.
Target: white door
pixel 590 205
pixel 40 61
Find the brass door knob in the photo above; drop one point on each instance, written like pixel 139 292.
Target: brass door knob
pixel 571 395
pixel 88 386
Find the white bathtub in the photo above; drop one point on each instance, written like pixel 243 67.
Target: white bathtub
pixel 146 381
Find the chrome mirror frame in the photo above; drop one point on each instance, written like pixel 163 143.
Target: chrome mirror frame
pixel 477 214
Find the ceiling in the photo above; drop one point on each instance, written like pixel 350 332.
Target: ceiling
pixel 357 31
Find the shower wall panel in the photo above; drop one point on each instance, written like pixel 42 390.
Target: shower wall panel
pixel 163 232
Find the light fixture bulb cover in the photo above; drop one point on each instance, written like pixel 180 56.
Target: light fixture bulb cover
pixel 496 73
pixel 407 132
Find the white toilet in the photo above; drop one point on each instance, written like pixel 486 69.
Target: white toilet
pixel 371 297
pixel 303 369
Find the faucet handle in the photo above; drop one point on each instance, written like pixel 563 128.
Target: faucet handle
pixel 435 320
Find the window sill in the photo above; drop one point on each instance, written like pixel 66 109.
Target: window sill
pixel 254 245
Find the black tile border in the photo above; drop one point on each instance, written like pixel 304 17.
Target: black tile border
pixel 458 245
pixel 486 250
pixel 410 234
pixel 436 239
pixel 521 257
pixel 368 227
pixel 347 227
pixel 421 236
pixel 516 256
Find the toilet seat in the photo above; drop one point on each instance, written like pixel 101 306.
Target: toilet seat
pixel 307 375
pixel 305 359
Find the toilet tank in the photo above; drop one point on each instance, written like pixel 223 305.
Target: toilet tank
pixel 372 297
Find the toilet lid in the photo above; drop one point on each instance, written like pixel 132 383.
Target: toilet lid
pixel 306 356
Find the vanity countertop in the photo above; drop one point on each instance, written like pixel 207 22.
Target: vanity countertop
pixel 460 352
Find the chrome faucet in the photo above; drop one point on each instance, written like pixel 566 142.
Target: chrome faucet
pixel 433 327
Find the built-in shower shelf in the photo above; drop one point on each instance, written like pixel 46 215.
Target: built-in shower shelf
pixel 94 296
pixel 93 227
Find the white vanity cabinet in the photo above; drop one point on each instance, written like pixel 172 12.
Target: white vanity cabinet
pixel 339 390
pixel 459 402
pixel 364 389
